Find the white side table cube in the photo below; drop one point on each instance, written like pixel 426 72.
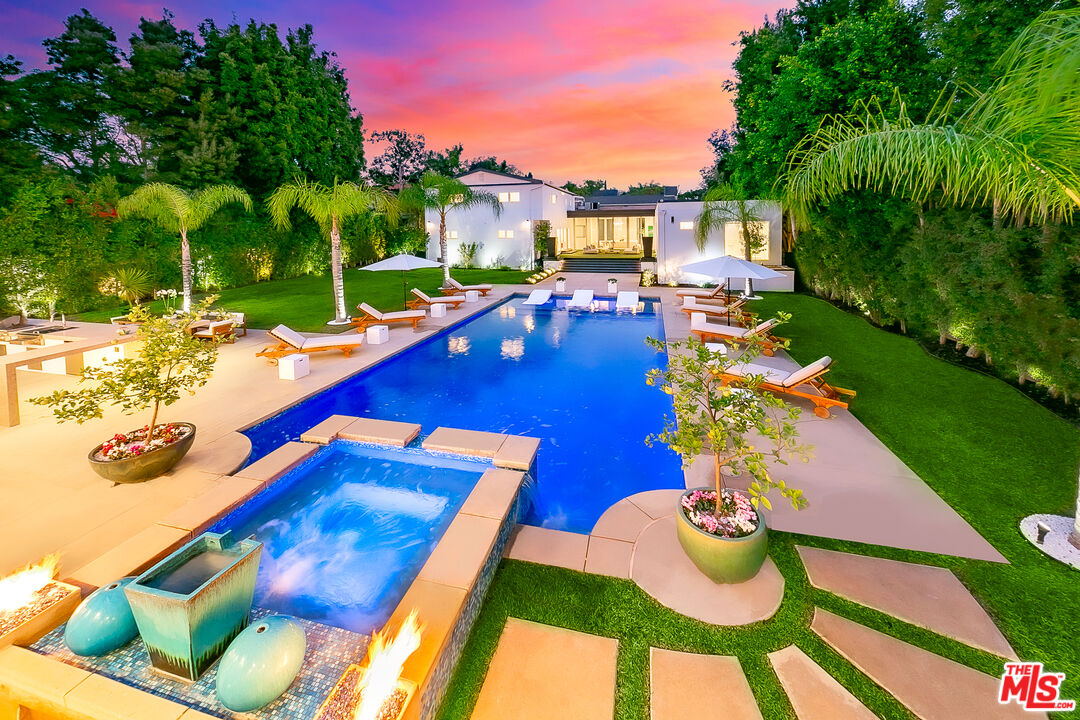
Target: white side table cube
pixel 472 296
pixel 294 367
pixel 378 334
pixel 438 309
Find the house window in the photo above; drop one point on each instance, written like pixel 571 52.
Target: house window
pixel 506 234
pixel 554 199
pixel 686 225
pixel 509 197
pixel 451 235
pixel 759 233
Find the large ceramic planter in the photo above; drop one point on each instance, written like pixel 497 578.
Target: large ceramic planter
pixel 191 605
pixel 146 466
pixel 722 560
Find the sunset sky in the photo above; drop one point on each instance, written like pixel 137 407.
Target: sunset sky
pixel 622 90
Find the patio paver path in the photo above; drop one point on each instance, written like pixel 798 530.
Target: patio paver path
pixel 924 595
pixel 932 687
pixel 661 568
pixel 683 683
pixel 814 693
pixel 540 672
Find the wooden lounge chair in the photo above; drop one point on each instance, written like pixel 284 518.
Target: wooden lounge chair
pixel 455 287
pixel 422 299
pixel 219 331
pixel 239 321
pixel 705 331
pixel 701 292
pixel 291 342
pixel 377 317
pixel 692 305
pixel 805 382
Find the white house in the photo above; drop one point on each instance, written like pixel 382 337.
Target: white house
pixel 657 229
pixel 507 239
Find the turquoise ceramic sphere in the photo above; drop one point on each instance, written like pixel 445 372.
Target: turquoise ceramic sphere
pixel 103 621
pixel 260 663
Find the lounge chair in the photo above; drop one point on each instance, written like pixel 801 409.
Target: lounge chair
pixel 377 317
pixel 692 304
pixel 455 288
pixel 215 331
pixel 701 292
pixel 422 299
pixel 805 382
pixel 705 330
pixel 537 297
pixel 626 300
pixel 581 299
pixel 239 321
pixel 291 342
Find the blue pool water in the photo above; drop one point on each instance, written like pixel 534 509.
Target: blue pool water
pixel 345 533
pixel 575 379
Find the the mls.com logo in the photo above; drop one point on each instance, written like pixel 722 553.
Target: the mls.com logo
pixel 1028 685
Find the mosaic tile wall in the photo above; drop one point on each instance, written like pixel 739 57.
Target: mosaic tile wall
pixel 437 681
pixel 330 650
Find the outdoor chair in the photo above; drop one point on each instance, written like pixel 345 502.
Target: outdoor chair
pixel 218 331
pixel 239 321
pixel 291 342
pixel 454 288
pixel 692 304
pixel 702 292
pixel 537 297
pixel 422 299
pixel 626 300
pixel 706 330
pixel 377 317
pixel 581 299
pixel 806 382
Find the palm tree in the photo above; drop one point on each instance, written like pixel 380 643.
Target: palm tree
pixel 1016 147
pixel 176 210
pixel 330 205
pixel 730 203
pixel 442 194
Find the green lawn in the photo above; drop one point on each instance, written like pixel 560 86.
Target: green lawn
pixel 992 453
pixel 306 303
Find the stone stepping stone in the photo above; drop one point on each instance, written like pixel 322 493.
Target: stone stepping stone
pixel 932 687
pixel 683 684
pixel 660 567
pixel 540 672
pixel 814 693
pixel 923 595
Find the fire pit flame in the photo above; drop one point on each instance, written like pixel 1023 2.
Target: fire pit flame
pixel 385 661
pixel 21 587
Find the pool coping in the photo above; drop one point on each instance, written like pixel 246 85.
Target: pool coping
pixel 447 592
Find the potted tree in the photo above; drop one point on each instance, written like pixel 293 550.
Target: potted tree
pixel 720 529
pixel 170 363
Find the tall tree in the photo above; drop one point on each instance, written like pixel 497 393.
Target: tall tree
pixel 329 206
pixel 72 104
pixel 731 203
pixel 1016 147
pixel 586 188
pixel 401 161
pixel 178 211
pixel 446 162
pixel 443 194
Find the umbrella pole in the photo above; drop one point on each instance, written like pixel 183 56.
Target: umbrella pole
pixel 404 292
pixel 727 301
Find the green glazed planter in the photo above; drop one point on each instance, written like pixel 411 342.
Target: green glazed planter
pixel 146 466
pixel 722 560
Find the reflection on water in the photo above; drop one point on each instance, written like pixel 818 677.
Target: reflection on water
pixel 458 345
pixel 513 348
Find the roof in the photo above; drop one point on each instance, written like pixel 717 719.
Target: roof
pixel 520 178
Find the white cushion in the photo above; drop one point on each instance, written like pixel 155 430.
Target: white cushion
pixel 421 294
pixel 371 311
pixel 401 314
pixel 333 340
pixel 447 299
pixel 626 299
pixel 238 318
pixel 800 376
pixel 288 335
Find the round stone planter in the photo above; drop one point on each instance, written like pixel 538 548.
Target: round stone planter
pixel 722 560
pixel 146 466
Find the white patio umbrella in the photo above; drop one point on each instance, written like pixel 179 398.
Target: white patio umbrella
pixel 404 263
pixel 729 266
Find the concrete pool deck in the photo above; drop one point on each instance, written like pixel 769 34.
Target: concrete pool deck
pixel 858 489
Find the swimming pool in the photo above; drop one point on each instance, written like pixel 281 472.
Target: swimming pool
pixel 346 533
pixel 575 379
